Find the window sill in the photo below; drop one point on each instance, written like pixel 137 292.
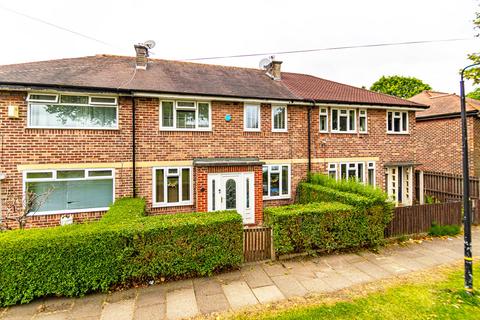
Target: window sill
pixel 398 133
pixel 72 128
pixel 185 130
pixel 60 212
pixel 280 131
pixel 168 205
pixel 284 197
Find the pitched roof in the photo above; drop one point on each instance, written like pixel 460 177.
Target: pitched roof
pixel 168 76
pixel 442 103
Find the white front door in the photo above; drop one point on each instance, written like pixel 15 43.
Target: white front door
pixel 232 191
pixel 399 185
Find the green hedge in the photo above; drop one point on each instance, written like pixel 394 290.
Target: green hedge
pixel 123 246
pixel 323 226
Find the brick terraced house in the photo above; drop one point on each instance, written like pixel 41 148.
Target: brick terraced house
pixel 439 133
pixel 189 137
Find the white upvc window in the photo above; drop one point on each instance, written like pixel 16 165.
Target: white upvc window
pixel 68 190
pixel 279 119
pixel 397 122
pixel 353 170
pixel 172 186
pixel 185 115
pixel 69 111
pixel 323 120
pixel 362 121
pixel 276 181
pixel 343 120
pixel 251 117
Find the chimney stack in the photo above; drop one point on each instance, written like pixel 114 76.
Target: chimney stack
pixel 275 70
pixel 141 60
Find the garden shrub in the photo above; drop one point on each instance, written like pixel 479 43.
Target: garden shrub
pixel 123 246
pixel 437 230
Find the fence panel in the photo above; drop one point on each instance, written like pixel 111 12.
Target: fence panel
pixel 257 244
pixel 448 187
pixel 419 218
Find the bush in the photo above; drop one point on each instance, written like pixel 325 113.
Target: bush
pixel 323 226
pixel 123 246
pixel 447 230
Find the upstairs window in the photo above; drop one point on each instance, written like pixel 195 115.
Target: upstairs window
pixel 251 118
pixel 397 121
pixel 185 115
pixel 323 120
pixel 343 120
pixel 279 118
pixel 362 121
pixel 71 111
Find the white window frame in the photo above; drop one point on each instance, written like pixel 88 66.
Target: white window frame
pixel 34 102
pixel 402 130
pixel 156 204
pixel 29 99
pixel 259 115
pixel 54 179
pixel 333 167
pixel 320 114
pixel 371 166
pixel 175 107
pixel 280 196
pixel 339 111
pixel 102 103
pixel 365 115
pixel 337 167
pixel 286 118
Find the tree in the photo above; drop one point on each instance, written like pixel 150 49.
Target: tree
pixel 474 73
pixel 403 87
pixel 475 94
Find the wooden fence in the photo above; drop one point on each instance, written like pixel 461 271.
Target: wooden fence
pixel 257 244
pixel 448 187
pixel 419 218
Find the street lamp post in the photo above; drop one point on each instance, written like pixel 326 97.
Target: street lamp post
pixel 467 209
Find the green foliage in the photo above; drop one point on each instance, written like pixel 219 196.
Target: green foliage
pixel 123 246
pixel 475 94
pixel 403 87
pixel 447 230
pixel 331 215
pixel 430 199
pixel 474 73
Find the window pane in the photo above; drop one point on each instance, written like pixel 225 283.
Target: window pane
pixel 203 115
pixel 251 115
pixel 371 177
pixel 363 124
pixel 70 174
pixel 284 179
pixel 274 184
pixel 39 175
pixel 351 120
pixel 46 196
pixel 185 184
pixel 103 100
pixel 100 173
pixel 332 174
pixel 396 124
pixel 172 189
pixel 74 99
pixel 334 119
pixel 230 194
pixel 343 123
pixel 186 104
pixel 404 121
pixel 360 172
pixel 185 119
pixel 43 115
pixel 279 118
pixel 87 194
pixel 43 97
pixel 343 171
pixel 167 114
pixel 265 181
pixel 323 123
pixel 159 185
pixel 389 121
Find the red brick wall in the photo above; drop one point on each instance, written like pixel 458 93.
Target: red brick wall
pixel 439 144
pixel 227 139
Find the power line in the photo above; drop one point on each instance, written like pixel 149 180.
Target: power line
pixel 57 26
pixel 373 45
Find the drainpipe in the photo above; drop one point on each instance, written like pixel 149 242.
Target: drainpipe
pixel 134 155
pixel 309 139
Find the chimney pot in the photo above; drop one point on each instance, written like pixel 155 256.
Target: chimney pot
pixel 276 70
pixel 141 60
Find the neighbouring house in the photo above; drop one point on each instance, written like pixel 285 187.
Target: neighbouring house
pixel 439 133
pixel 190 137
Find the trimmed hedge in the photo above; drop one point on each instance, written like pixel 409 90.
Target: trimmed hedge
pixel 123 246
pixel 323 226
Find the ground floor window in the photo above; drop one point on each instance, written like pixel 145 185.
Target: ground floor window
pixel 360 171
pixel 172 186
pixel 63 191
pixel 276 181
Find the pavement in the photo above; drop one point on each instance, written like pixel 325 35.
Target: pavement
pixel 255 284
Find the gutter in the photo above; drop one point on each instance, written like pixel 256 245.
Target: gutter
pixel 309 139
pixel 453 115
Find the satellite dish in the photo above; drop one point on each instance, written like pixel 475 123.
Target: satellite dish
pixel 150 44
pixel 264 63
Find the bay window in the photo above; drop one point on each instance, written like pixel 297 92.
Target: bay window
pixel 172 186
pixel 276 181
pixel 185 115
pixel 397 121
pixel 68 191
pixel 72 111
pixel 279 118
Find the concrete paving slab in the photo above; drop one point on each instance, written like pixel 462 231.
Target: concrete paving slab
pixel 24 311
pixel 150 312
pixel 89 306
pixel 239 295
pixel 315 285
pixel 59 315
pixel 212 303
pixel 121 295
pixel 255 276
pixel 181 303
pixel 289 286
pixel 228 277
pixel 274 269
pixel 151 295
pixel 337 281
pixel 268 294
pixel 177 285
pixel 54 304
pixel 207 286
pixel 120 310
pixel 372 270
pixel 354 275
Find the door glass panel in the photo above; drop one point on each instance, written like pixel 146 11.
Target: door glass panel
pixel 213 194
pixel 231 194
